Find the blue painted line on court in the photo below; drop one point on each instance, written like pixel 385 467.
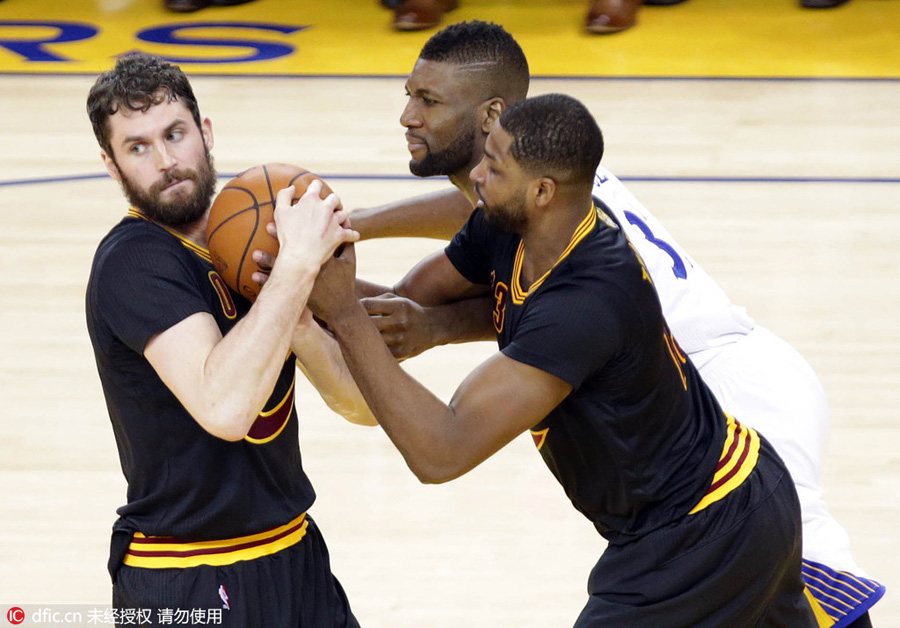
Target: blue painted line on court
pixel 543 77
pixel 720 179
pixel 409 177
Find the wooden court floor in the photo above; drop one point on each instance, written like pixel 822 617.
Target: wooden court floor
pixel 786 192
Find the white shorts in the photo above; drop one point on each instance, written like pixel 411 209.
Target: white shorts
pixel 765 383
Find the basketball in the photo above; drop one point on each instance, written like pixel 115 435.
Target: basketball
pixel 238 219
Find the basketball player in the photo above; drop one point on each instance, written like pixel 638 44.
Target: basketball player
pixel 701 515
pixel 465 76
pixel 199 383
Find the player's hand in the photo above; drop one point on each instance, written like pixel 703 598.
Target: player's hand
pixel 310 230
pixel 264 260
pixel 403 324
pixel 335 288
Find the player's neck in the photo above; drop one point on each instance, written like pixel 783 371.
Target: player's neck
pixel 465 185
pixel 194 232
pixel 547 238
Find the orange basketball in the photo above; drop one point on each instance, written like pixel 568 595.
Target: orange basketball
pixel 238 219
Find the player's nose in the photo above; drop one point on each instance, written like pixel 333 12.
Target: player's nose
pixel 410 116
pixel 165 160
pixel 476 175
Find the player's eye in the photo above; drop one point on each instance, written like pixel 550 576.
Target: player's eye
pixel 176 135
pixel 137 149
pixel 429 101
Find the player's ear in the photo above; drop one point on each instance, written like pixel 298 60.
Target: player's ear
pixel 544 191
pixel 111 167
pixel 491 111
pixel 206 130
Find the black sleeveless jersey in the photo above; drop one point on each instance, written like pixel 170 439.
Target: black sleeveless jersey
pixel 637 442
pixel 182 481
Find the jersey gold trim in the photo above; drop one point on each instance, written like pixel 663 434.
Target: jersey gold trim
pixel 157 552
pixel 262 429
pixel 194 248
pixel 501 299
pixel 225 299
pixel 518 294
pixel 540 437
pixel 739 456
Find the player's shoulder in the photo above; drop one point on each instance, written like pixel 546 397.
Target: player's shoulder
pixel 605 262
pixel 605 245
pixel 134 242
pixel 132 232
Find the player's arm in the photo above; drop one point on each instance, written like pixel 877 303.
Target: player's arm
pixel 320 359
pixel 437 215
pixel 436 306
pixel 224 382
pixel 498 401
pixel 408 328
pixel 433 281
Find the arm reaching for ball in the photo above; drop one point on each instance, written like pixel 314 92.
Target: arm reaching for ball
pixel 225 381
pixel 437 215
pixel 408 328
pixel 498 401
pixel 319 358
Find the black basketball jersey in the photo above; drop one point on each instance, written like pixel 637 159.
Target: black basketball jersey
pixel 182 481
pixel 637 442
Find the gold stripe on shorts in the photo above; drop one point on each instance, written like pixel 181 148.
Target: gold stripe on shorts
pixel 158 552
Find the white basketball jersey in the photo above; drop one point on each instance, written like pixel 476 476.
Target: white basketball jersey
pixel 698 312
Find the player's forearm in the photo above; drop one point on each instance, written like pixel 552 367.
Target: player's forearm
pixel 469 320
pixel 368 289
pixel 241 370
pixel 320 359
pixel 437 215
pixel 417 422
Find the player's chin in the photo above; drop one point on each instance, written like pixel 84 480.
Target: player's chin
pixel 417 153
pixel 177 193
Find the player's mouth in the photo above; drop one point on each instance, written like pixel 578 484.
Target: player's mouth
pixel 175 185
pixel 414 143
pixel 480 203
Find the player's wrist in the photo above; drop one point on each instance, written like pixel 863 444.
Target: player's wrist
pixel 293 274
pixel 437 320
pixel 346 317
pixel 299 260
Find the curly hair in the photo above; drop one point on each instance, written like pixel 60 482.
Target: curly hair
pixel 138 82
pixel 554 132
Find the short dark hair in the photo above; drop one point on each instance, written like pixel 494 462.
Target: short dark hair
pixel 554 132
pixel 478 42
pixel 138 82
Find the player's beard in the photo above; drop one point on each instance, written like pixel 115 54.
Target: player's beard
pixel 180 210
pixel 511 216
pixel 449 161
